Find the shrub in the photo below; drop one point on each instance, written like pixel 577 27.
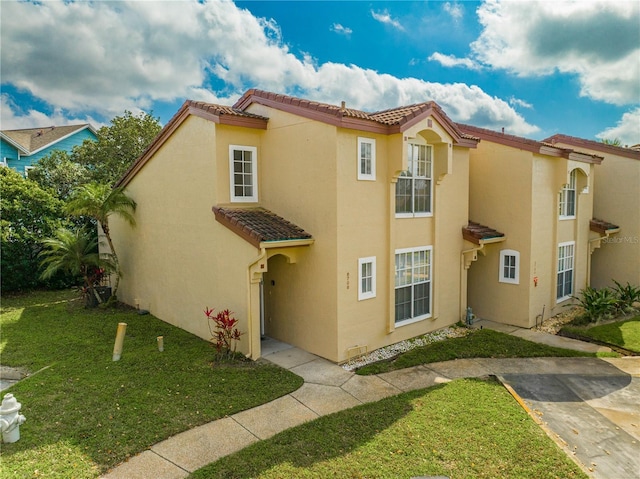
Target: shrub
pixel 597 303
pixel 627 295
pixel 225 334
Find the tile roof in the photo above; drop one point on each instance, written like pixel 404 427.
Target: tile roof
pixel 629 152
pixel 477 233
pixel 603 227
pixel 386 121
pixel 257 225
pixel 33 139
pixel 527 144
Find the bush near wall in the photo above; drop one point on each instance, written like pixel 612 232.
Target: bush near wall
pixel 608 303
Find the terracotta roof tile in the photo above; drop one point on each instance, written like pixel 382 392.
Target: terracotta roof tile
pixel 602 227
pixel 629 152
pixel 475 233
pixel 257 225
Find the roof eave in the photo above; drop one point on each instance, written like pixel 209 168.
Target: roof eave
pixel 286 243
pixel 18 146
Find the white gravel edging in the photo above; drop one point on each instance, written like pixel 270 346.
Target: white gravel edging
pixel 403 346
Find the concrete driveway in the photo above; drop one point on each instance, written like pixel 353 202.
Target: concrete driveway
pixel 591 406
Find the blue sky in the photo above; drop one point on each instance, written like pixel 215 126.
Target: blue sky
pixel 532 68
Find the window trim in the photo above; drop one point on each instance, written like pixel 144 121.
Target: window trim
pixel 254 174
pixel 27 169
pixel 572 269
pixel 362 295
pixel 411 167
pixel 422 317
pixel 363 176
pixel 516 267
pixel 568 189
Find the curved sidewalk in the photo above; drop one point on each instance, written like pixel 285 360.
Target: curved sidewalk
pixel 329 388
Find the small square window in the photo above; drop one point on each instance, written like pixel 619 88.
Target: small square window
pixel 366 159
pixel 366 278
pixel 509 266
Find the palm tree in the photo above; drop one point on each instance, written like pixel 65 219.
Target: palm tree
pixel 74 252
pixel 100 201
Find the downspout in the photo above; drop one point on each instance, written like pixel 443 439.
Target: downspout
pixel 463 269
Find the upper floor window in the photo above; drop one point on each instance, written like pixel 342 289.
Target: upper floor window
pixel 27 169
pixel 412 285
pixel 243 173
pixel 565 270
pixel 366 278
pixel 509 266
pixel 567 202
pixel 366 159
pixel 413 189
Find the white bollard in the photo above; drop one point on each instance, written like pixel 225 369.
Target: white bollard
pixel 10 420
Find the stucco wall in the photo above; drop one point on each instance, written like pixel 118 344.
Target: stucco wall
pixel 501 195
pixel 300 157
pixel 178 259
pixel 616 199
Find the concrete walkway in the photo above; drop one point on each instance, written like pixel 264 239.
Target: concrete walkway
pixel 610 400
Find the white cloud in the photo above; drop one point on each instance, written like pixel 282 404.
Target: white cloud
pixel 627 129
pixel 513 101
pixel 385 17
pixel 101 58
pixel 595 40
pixel 340 29
pixel 12 118
pixel 454 9
pixel 453 61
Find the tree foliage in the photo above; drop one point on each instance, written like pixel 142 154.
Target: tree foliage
pixel 75 252
pixel 612 141
pixel 100 201
pixel 117 146
pixel 29 214
pixel 59 173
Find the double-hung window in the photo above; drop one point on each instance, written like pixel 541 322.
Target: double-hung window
pixel 565 270
pixel 366 159
pixel 412 285
pixel 414 186
pixel 567 201
pixel 366 278
pixel 243 173
pixel 509 266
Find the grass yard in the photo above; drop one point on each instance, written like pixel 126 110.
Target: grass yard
pixel 479 343
pixel 463 429
pixel 86 413
pixel 625 334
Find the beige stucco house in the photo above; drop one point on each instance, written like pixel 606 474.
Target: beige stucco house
pixel 329 228
pixel 616 198
pixel 541 196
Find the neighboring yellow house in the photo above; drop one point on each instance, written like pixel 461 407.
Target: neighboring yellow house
pixel 541 197
pixel 616 199
pixel 329 228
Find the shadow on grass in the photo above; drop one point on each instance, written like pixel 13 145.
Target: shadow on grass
pixel 99 412
pixel 333 436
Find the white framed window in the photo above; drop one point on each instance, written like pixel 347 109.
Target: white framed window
pixel 567 199
pixel 509 266
pixel 412 285
pixel 566 252
pixel 243 173
pixel 366 278
pixel 4 162
pixel 366 159
pixel 27 169
pixel 414 186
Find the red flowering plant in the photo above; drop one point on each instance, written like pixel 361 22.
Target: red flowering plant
pixel 224 333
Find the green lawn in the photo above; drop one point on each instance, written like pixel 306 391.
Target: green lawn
pixel 464 429
pixel 624 333
pixel 86 413
pixel 479 343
